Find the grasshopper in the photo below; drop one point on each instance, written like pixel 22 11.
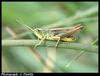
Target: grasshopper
pixel 65 34
pixel 58 34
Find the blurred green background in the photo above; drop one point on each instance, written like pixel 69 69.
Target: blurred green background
pixel 42 15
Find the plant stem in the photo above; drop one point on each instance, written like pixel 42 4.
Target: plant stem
pixel 79 54
pixel 77 16
pixel 67 45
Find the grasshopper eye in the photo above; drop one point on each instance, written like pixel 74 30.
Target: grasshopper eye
pixel 35 30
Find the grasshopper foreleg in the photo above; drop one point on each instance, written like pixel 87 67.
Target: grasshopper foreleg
pixel 39 42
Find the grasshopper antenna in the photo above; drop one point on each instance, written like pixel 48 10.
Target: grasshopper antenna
pixel 22 23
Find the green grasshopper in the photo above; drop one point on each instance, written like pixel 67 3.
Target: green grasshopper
pixel 65 34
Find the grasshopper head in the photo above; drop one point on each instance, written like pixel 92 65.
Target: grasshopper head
pixel 38 33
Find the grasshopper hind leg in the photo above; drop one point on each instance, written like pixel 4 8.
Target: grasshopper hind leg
pixel 58 42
